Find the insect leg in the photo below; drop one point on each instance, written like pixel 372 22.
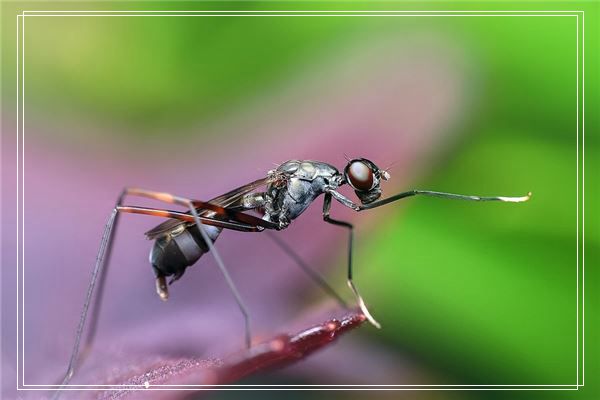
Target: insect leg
pixel 236 226
pixel 192 204
pixel 98 276
pixel 105 245
pixel 100 271
pixel 327 218
pixel 410 193
pixel 312 274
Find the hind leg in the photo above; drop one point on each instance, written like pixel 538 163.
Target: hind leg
pixel 192 204
pixel 101 267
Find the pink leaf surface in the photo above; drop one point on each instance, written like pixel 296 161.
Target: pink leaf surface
pixel 180 372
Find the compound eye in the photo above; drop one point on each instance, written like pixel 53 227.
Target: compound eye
pixel 360 176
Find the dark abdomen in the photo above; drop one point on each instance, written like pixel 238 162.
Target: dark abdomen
pixel 174 252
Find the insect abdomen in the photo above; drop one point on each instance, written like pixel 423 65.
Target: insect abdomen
pixel 173 253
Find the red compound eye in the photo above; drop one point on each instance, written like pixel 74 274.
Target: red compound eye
pixel 360 175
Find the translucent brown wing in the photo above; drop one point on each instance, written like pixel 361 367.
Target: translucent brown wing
pixel 224 200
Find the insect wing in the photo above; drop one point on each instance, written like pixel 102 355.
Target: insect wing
pixel 235 195
pixel 224 200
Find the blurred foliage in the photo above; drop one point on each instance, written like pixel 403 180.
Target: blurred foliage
pixel 156 72
pixel 512 322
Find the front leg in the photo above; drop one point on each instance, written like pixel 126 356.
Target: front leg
pixel 331 193
pixel 327 218
pixel 454 196
pixel 341 198
pixel 350 204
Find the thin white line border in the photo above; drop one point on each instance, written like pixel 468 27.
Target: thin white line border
pixel 296 13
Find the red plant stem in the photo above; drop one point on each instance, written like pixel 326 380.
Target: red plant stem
pixel 284 349
pixel 278 352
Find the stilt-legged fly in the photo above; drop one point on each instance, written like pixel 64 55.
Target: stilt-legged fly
pixel 282 196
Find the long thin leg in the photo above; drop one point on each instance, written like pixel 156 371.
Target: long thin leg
pixel 232 287
pixel 312 274
pixel 189 218
pixel 99 274
pixel 350 204
pixel 105 243
pixel 327 218
pixel 410 193
pixel 104 260
pixel 100 271
pixel 192 204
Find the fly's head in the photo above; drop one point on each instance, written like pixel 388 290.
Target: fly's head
pixel 365 178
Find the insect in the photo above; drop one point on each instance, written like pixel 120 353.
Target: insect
pixel 280 197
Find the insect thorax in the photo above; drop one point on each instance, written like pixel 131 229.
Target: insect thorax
pixel 295 185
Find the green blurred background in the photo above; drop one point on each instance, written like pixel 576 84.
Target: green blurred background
pixel 424 275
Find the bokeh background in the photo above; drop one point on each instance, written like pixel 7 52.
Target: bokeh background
pixel 467 293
